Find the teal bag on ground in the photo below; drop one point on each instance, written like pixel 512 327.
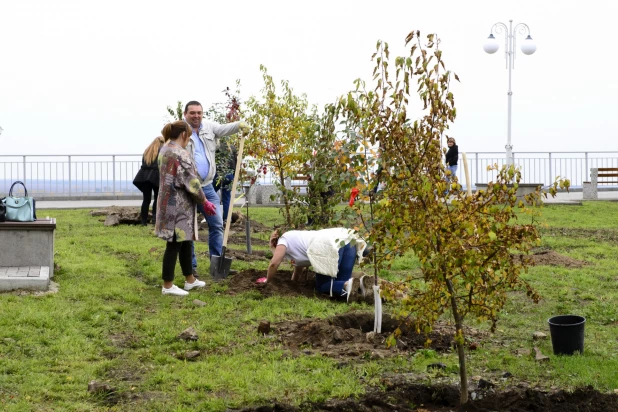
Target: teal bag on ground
pixel 19 209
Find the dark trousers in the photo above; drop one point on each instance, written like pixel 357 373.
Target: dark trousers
pixel 173 251
pixel 326 284
pixel 147 193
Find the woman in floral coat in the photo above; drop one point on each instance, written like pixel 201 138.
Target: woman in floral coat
pixel 179 193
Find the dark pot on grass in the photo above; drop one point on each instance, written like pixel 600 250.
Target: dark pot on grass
pixel 567 334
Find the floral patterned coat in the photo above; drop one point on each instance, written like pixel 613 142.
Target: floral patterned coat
pixel 179 192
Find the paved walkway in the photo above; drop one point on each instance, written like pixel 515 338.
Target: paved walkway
pixel 561 198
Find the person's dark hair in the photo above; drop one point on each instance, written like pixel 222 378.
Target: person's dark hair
pixel 192 103
pixel 172 131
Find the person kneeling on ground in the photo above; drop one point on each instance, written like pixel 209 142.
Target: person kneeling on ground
pixel 323 250
pixel 180 193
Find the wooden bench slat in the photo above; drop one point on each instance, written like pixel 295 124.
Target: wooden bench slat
pixel 608 169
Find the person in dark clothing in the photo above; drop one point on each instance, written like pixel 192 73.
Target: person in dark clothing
pixel 452 155
pixel 147 179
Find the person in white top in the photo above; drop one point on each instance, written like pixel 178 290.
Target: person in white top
pixel 331 252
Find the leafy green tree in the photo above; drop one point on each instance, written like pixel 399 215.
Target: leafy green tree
pixel 466 245
pixel 323 170
pixel 176 113
pixel 280 126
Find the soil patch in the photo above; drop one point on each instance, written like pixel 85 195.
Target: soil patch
pixel 119 215
pixel 547 257
pixel 351 335
pixel 414 397
pixel 599 235
pixel 255 256
pixel 282 285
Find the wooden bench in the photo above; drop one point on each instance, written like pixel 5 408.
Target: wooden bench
pixel 607 175
pixel 301 181
pixel 599 176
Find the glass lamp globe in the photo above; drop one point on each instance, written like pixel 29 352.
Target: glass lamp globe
pixel 491 45
pixel 528 46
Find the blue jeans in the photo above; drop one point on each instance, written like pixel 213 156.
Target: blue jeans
pixel 215 226
pixel 347 259
pixel 453 170
pixel 226 192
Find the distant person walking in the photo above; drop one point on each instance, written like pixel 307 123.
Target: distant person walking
pixel 452 156
pixel 202 147
pixel 147 179
pixel 176 212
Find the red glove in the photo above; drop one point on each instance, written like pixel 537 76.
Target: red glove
pixel 353 195
pixel 209 208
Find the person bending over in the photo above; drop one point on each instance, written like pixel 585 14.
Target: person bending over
pixel 331 252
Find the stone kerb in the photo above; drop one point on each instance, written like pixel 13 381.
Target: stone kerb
pixel 590 189
pixel 24 277
pixel 28 244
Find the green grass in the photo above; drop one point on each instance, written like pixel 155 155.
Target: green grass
pixel 109 322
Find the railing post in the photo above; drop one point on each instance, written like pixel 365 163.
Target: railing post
pixel 24 173
pixel 70 175
pixel 476 160
pixel 587 171
pixel 550 173
pixel 114 174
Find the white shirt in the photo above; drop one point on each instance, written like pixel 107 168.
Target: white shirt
pixel 297 243
pixel 319 248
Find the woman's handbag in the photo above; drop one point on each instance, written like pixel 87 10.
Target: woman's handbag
pixel 19 209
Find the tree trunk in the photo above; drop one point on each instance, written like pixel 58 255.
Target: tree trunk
pixel 463 374
pixel 286 202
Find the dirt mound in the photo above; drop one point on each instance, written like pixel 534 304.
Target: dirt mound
pixel 414 397
pixel 119 215
pixel 351 335
pixel 255 256
pixel 280 286
pixel 597 235
pixel 547 257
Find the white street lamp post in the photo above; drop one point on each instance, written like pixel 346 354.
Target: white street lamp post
pixel 528 47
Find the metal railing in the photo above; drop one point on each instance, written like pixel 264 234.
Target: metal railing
pixel 71 175
pixel 66 176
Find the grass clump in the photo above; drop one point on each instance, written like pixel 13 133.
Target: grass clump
pixel 110 323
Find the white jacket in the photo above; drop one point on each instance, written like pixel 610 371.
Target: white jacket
pixel 210 133
pixel 323 251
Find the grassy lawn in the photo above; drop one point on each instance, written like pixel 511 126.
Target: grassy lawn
pixel 110 323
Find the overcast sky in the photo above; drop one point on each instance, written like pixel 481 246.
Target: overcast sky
pixel 86 77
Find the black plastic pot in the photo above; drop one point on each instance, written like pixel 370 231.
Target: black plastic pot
pixel 567 334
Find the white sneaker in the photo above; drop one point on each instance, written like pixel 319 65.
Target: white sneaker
pixel 196 284
pixel 351 288
pixel 174 290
